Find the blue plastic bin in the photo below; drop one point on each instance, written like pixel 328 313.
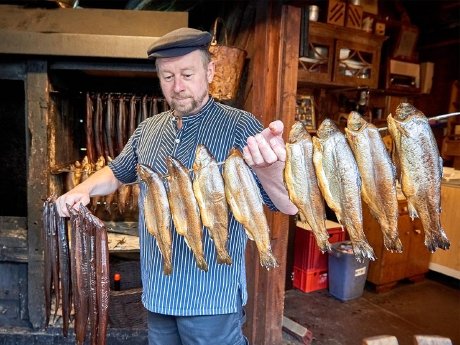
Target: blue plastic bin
pixel 347 276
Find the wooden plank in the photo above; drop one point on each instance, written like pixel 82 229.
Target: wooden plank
pixel 37 101
pixel 84 32
pixel 276 42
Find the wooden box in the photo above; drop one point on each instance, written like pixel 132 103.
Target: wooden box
pixel 336 12
pixel 354 16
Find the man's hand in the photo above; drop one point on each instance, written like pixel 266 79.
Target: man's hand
pixel 267 147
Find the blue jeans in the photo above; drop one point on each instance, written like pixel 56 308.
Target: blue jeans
pixel 224 329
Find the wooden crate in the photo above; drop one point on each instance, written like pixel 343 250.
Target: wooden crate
pixel 354 16
pixel 336 12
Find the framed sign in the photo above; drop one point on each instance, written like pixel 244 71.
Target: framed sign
pixel 305 111
pixel 405 48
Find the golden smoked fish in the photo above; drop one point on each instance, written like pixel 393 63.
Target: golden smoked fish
pixel 421 171
pixel 378 176
pixel 340 184
pixel 302 184
pixel 185 210
pixel 157 214
pixel 245 201
pixel 208 186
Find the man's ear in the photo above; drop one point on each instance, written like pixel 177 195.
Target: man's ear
pixel 211 71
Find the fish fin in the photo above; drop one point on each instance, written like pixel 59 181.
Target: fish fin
pixel 401 129
pixel 412 211
pixel 249 235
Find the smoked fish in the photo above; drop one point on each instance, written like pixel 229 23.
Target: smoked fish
pixel 302 184
pixel 378 176
pixel 185 210
pixel 245 201
pixel 340 184
pixel 157 214
pixel 421 171
pixel 209 190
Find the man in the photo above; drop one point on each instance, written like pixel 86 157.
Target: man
pixel 191 306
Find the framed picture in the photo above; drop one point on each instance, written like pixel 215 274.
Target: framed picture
pixel 305 111
pixel 406 43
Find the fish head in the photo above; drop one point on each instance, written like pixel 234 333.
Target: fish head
pixel 326 129
pixel 406 110
pixel 202 157
pixel 355 121
pixel 298 132
pixel 143 171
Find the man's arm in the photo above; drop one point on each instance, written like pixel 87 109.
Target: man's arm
pixel 102 182
pixel 265 153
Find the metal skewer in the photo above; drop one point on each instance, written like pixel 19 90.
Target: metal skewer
pixel 434 118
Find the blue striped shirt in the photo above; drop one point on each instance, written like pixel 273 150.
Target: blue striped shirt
pixel 189 290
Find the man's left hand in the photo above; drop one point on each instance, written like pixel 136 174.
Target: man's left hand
pixel 267 147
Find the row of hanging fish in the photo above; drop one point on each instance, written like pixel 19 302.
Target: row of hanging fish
pixel 345 169
pixel 112 118
pixel 205 200
pixel 121 203
pixel 78 277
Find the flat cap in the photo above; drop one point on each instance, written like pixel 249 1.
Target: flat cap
pixel 179 42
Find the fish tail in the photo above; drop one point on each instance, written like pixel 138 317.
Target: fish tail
pixel 392 244
pixel 167 268
pixel 436 240
pixel 268 260
pixel 201 262
pixel 362 251
pixel 224 258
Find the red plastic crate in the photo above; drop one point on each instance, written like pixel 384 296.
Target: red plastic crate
pixel 310 280
pixel 307 255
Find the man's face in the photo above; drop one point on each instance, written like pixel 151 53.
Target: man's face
pixel 185 81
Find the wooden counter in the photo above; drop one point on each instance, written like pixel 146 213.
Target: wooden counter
pixel 448 261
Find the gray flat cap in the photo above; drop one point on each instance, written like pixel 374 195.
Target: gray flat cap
pixel 179 42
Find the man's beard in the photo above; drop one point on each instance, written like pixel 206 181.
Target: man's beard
pixel 191 105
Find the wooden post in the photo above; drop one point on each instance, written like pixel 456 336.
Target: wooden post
pixel 274 88
pixel 37 100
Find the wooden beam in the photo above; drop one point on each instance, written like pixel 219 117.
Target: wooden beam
pixel 274 86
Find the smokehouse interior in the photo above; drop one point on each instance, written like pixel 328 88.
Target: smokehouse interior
pixel 354 108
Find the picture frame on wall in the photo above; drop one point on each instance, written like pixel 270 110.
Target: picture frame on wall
pixel 305 111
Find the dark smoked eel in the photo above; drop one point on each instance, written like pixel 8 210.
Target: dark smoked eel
pixel 102 279
pixel 121 124
pixel 64 269
pixel 54 255
pixel 132 115
pixel 98 131
pixel 48 273
pixel 90 150
pixel 109 127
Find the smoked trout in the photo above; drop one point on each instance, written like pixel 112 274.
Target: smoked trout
pixel 185 210
pixel 378 176
pixel 421 171
pixel 157 214
pixel 340 184
pixel 208 186
pixel 245 201
pixel 302 184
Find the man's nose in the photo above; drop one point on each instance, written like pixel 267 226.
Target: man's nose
pixel 178 85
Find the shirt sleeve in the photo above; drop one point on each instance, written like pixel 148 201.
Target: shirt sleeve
pixel 248 126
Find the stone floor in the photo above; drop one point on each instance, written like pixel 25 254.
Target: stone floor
pixel 428 307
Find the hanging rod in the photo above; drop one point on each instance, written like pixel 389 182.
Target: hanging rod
pixel 434 118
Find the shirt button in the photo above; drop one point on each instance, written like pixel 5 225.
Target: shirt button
pixel 177 141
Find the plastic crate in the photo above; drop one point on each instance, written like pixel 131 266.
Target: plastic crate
pixel 311 280
pixel 307 255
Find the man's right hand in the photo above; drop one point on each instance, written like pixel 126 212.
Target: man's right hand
pixel 102 182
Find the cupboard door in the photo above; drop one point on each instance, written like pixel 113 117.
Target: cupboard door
pixel 356 64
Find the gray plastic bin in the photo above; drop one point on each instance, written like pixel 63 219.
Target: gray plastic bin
pixel 347 276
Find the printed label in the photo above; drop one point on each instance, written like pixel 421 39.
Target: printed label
pixel 360 271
